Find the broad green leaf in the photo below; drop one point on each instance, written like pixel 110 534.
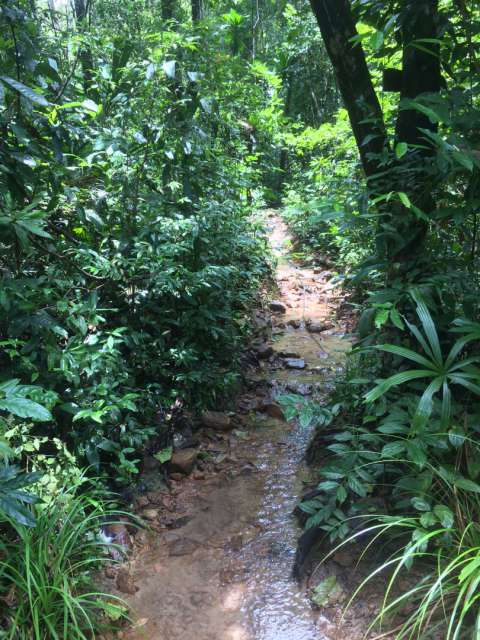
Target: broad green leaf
pixel 25 408
pixel 164 455
pixel 394 381
pixel 25 91
pixel 401 149
pixel 409 354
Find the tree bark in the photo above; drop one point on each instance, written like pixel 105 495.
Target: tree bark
pixel 421 66
pixel 167 10
pixel 86 58
pixel 196 10
pixel 399 234
pixel 337 26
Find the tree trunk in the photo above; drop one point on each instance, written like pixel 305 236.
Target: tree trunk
pixel 421 66
pixel 337 26
pixel 196 10
pixel 400 235
pixel 86 58
pixel 167 10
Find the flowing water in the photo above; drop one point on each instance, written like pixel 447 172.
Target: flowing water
pixel 225 573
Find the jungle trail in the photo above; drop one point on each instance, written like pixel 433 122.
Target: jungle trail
pixel 239 319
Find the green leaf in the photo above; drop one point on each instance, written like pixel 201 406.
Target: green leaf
pixel 324 591
pixel 401 149
pixel 24 408
pixel 466 485
pixel 396 319
pixel 381 318
pixel 420 504
pixel 25 91
pixel 395 381
pixel 393 449
pixel 463 159
pixel 164 455
pixel 404 199
pixel 444 515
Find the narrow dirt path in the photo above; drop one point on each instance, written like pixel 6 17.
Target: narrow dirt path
pixel 221 569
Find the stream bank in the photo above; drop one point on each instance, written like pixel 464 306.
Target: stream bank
pixel 218 562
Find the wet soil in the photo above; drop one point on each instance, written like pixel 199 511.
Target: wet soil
pixel 218 563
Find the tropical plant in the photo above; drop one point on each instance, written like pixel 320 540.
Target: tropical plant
pixel 443 371
pixel 45 573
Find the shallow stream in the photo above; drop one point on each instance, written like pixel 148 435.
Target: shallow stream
pixel 226 572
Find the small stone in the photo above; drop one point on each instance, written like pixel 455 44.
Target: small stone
pixel 296 324
pixel 183 460
pixel 277 307
pixel 273 410
pixel 316 327
pixel 150 514
pixel 294 363
pixel 125 582
pixel 217 420
pixel 265 351
pixel 178 477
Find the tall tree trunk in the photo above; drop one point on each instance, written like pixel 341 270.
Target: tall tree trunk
pixel 196 10
pixel 400 234
pixel 421 66
pixel 168 10
pixel 337 26
pixel 86 58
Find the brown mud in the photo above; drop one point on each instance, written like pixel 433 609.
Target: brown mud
pixel 218 563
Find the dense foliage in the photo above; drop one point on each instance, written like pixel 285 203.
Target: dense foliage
pixel 136 140
pixel 399 442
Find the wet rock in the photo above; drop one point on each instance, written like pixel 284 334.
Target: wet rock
pixel 289 354
pixel 182 547
pixel 273 410
pixel 178 477
pixel 249 402
pixel 150 514
pixel 217 420
pixel 294 363
pixel 301 388
pixel 125 582
pixel 183 461
pixel 277 307
pixel 317 327
pixel 296 324
pixel 265 351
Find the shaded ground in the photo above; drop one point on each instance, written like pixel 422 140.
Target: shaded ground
pixel 218 563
